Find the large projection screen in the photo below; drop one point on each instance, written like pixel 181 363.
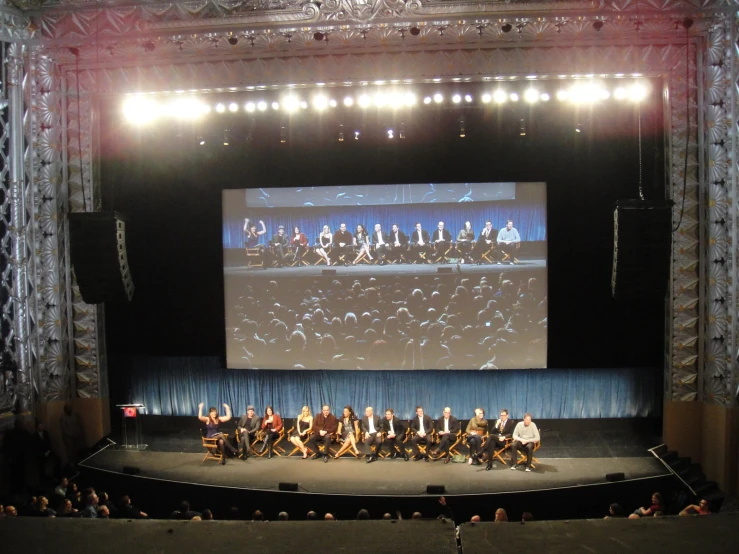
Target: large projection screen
pixel 468 290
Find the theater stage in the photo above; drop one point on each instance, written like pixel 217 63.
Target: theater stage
pixel 351 476
pixel 385 270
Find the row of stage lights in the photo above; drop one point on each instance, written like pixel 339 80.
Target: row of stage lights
pixel 142 109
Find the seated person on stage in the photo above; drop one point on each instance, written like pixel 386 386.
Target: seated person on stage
pixel 251 235
pixel 441 239
pixel 420 242
pixel 525 436
pixel 299 242
pixel 324 424
pixel 343 244
pixel 372 430
pixel 279 243
pixel 248 426
pixel 348 431
pixel 271 425
pixel 395 435
pixel 421 427
pixel 508 238
pixel 382 243
pixel 398 241
pixel 362 243
pixel 324 243
pixel 212 426
pixel 476 429
pixel 485 241
pixel 700 509
pixel 465 238
pixel 657 506
pixel 447 427
pixel 302 430
pixel 502 430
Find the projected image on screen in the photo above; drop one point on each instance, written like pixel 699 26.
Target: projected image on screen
pixel 413 276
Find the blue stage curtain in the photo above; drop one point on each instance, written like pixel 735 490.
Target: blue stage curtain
pixel 529 217
pixel 175 386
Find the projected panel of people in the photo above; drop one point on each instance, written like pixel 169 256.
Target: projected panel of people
pixel 412 276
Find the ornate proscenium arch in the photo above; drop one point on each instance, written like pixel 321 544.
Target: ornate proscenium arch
pixel 71 52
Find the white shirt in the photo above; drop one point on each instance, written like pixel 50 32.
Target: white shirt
pixel 446 425
pixel 420 425
pixel 392 431
pixel 380 242
pixel 371 424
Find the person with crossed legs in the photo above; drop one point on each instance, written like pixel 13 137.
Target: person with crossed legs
pixel 421 427
pixel 324 424
pixel 475 431
pixel 372 430
pixel 502 430
pixel 447 427
pixel 395 435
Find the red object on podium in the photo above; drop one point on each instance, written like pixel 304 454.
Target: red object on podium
pixel 129 412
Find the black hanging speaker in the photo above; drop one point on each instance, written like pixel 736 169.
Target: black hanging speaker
pixel 288 487
pixel 642 241
pixel 613 477
pixel 435 489
pixel 98 252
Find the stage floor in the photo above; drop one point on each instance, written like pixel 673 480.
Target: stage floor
pixel 385 270
pixel 384 477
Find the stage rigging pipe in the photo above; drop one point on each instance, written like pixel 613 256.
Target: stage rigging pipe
pixel 20 257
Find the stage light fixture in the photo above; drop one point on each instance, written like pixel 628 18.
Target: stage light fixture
pixel 185 108
pixel 390 133
pixel 220 108
pixel 637 92
pixel 348 101
pixel 486 98
pixel 522 128
pixel 604 94
pixel 380 100
pixel 410 99
pixel 319 36
pixel 261 105
pixel 340 134
pixel 597 25
pixel 438 98
pixel 468 98
pixel 226 137
pixel 283 134
pixel 233 41
pixel 275 105
pixel 562 95
pixel 332 103
pixel 201 140
pixel 620 93
pixel 506 28
pixel 462 132
pixel 531 95
pixel 364 101
pixel 415 31
pixel 427 100
pixel 402 131
pixel 499 96
pixel 149 46
pixel 320 102
pixel 304 104
pixel 514 97
pixel 249 107
pixel 456 98
pixel 140 110
pixel 290 104
pixel 578 128
pixel 356 135
pixel 545 97
pixel 233 107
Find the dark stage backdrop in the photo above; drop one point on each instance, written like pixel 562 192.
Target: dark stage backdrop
pixel 170 189
pixel 176 385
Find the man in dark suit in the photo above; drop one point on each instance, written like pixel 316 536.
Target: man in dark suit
pixel 248 426
pixel 324 425
pixel 447 427
pixel 420 243
pixel 279 244
pixel 421 427
pixel 372 430
pixel 381 242
pixel 441 239
pixel 395 434
pixel 486 240
pixel 43 455
pixel 398 241
pixel 502 430
pixel 343 241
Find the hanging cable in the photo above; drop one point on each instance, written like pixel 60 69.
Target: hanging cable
pixel 687 24
pixel 76 53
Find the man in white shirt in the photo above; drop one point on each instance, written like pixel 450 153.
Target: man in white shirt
pixel 525 436
pixel 420 243
pixel 508 239
pixel 371 428
pixel 395 435
pixel 382 243
pixel 447 427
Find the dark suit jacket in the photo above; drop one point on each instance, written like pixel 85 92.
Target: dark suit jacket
pixel 377 422
pixel 428 424
pixel 445 235
pixel 385 238
pixel 510 425
pixel 398 426
pixel 256 423
pixel 345 237
pixel 493 235
pixel 284 240
pixel 424 235
pixel 329 424
pixel 454 425
pixel 402 239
